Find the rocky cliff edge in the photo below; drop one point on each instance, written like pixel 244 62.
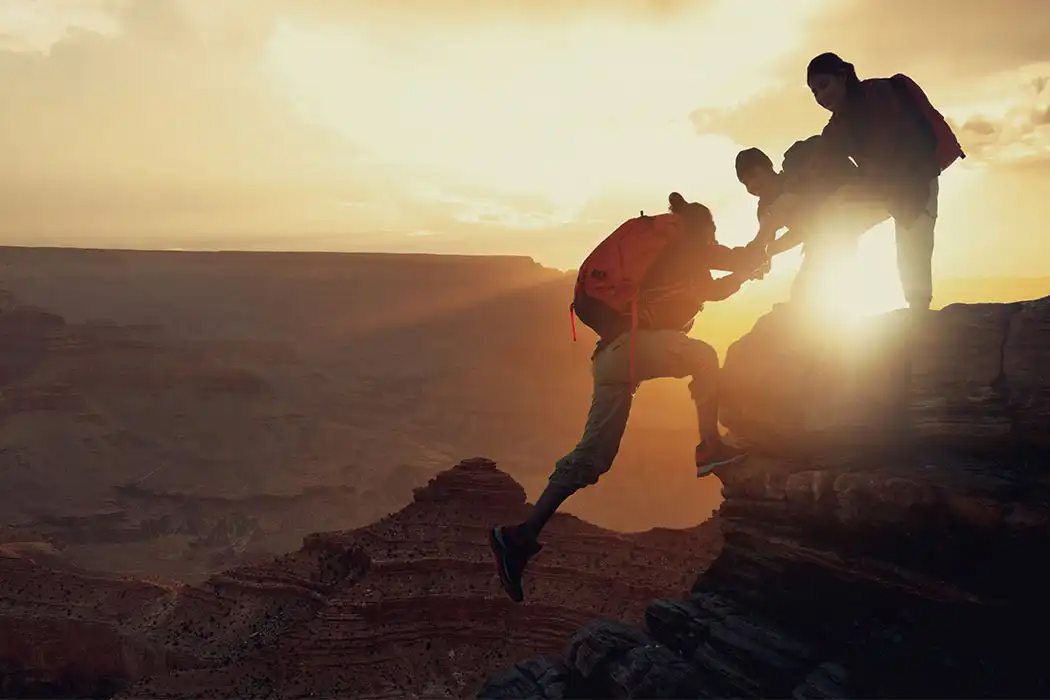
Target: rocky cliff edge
pixel 886 537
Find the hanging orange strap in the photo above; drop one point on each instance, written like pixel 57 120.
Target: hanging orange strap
pixel 572 319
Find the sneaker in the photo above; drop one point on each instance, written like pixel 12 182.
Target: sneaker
pixel 511 553
pixel 711 456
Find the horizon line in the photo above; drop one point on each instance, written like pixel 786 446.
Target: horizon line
pixel 365 253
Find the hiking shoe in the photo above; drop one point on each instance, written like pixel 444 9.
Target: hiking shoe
pixel 511 552
pixel 711 456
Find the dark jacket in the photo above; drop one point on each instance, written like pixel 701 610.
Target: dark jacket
pixel 811 177
pixel 888 138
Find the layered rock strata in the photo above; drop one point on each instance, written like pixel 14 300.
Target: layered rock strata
pixel 885 538
pixel 408 606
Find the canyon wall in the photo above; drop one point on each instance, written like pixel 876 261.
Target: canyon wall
pixel 406 607
pixel 883 540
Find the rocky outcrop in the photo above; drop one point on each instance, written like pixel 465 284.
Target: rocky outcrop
pixel 408 606
pixel 882 541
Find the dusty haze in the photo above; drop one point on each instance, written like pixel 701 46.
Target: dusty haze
pixel 200 408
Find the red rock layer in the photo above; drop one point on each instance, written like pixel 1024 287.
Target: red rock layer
pixel 406 606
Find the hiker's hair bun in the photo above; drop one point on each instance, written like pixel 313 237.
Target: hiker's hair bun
pixel 677 203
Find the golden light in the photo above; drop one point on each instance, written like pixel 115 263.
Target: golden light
pixel 857 284
pixel 596 107
pixel 37 26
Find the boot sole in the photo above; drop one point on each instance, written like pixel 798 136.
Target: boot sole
pixel 499 553
pixel 711 466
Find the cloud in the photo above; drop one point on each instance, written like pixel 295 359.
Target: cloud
pixel 165 125
pixel 36 26
pixel 169 115
pixel 1019 131
pixel 999 116
pixel 588 110
pixel 523 124
pixel 771 121
pixel 941 41
pixel 883 37
pixel 460 12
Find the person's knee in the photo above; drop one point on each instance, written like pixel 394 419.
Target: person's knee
pixel 917 236
pixel 704 363
pixel 703 358
pixel 579 470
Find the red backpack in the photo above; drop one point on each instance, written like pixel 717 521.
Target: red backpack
pixel 947 145
pixel 609 281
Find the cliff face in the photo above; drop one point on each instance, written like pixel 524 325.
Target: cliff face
pixel 406 606
pixel 179 414
pixel 884 539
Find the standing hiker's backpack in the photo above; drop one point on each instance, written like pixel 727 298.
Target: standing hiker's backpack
pixel 610 278
pixel 945 143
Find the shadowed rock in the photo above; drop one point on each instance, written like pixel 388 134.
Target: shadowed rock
pixel 883 539
pixel 406 606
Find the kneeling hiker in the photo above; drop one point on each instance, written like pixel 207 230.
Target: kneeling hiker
pixel 639 290
pixel 801 198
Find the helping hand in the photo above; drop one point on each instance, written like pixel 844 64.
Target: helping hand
pixel 765 264
pixel 762 271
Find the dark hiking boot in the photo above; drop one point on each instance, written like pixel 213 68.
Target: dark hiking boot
pixel 512 552
pixel 710 456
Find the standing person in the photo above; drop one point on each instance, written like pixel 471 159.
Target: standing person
pixel 901 144
pixel 639 290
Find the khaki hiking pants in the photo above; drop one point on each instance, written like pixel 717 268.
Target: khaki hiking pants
pixel 842 227
pixel 656 354
pixel 831 240
pixel 915 252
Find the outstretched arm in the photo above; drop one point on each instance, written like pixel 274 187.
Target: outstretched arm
pixel 725 287
pixel 744 259
pixel 791 239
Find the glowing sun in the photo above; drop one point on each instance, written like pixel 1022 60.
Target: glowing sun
pixel 860 285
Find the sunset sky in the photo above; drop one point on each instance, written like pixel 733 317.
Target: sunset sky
pixel 530 127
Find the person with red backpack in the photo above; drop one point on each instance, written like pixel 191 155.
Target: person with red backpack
pixel 901 144
pixel 639 290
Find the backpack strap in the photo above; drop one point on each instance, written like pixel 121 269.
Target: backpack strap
pixel 908 99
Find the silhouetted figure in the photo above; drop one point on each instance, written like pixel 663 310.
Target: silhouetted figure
pixel 801 198
pixel 901 145
pixel 639 290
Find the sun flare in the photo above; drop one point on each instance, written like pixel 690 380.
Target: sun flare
pixel 863 284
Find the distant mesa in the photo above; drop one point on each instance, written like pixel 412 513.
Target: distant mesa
pixel 407 605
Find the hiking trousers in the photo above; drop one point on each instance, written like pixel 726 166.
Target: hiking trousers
pixel 816 258
pixel 830 240
pixel 658 353
pixel 839 232
pixel 915 252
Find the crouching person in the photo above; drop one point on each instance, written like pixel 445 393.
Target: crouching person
pixel 640 290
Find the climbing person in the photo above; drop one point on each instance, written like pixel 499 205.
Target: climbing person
pixel 801 199
pixel 901 144
pixel 639 290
